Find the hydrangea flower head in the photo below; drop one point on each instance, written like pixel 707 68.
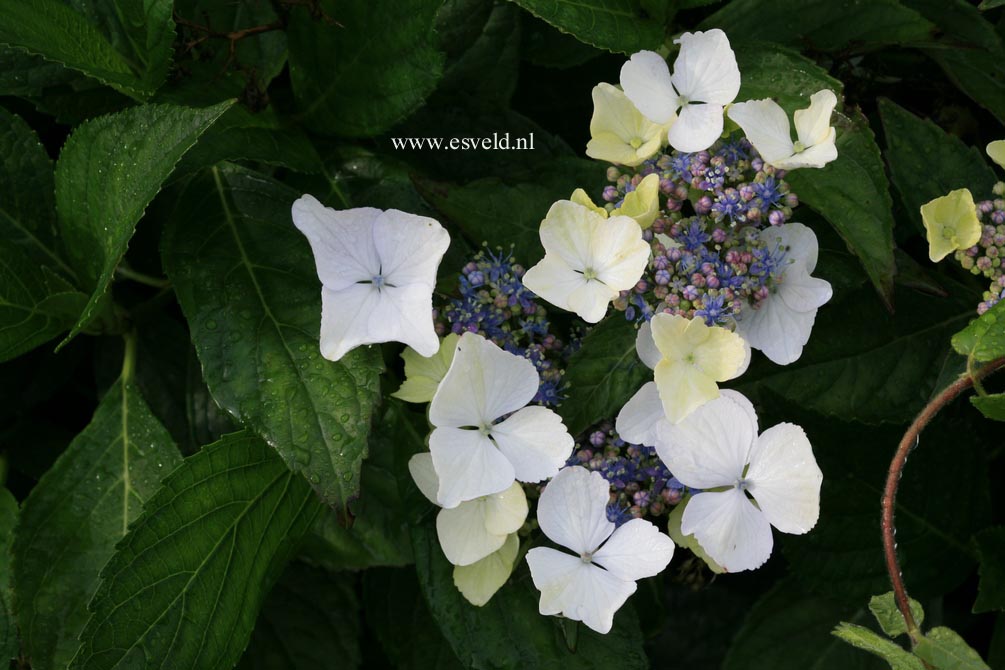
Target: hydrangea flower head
pixel 766 125
pixel 423 375
pixel 718 447
pixel 485 437
pixel 377 271
pixel 593 582
pixel 690 357
pixel 780 325
pixel 704 80
pixel 619 133
pixel 950 223
pixel 588 259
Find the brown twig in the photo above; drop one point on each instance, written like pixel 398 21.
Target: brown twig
pixel 908 443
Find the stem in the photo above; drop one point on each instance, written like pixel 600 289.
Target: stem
pixel 910 440
pixel 141 278
pixel 128 356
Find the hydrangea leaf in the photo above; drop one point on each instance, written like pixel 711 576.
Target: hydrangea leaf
pixel 926 162
pixel 603 374
pixel 311 620
pixel 508 631
pixel 787 629
pixel 354 72
pixel 884 608
pixel 861 637
pixel 108 471
pixel 37 297
pixel 853 194
pixel 991 406
pixel 486 73
pixel 126 44
pixel 187 581
pixel 9 644
pixel 253 303
pixel 991 548
pixel 616 25
pixel 984 338
pixel 944 649
pixel 108 172
pixel 823 25
pixel 773 71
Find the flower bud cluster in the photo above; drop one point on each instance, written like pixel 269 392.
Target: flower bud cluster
pixel 985 257
pixel 495 304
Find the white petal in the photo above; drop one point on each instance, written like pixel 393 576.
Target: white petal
pixel 766 125
pixel 555 281
pixel 705 69
pixel 638 421
pixel 479 581
pixel 800 241
pixel 572 510
pixel 800 292
pixel 567 230
pixel 483 383
pixel 405 314
pixel 710 447
pixel 505 512
pixel 813 124
pixel 645 79
pixel 698 126
pixel 637 549
pixel 579 591
pixel 535 441
pixel 646 347
pixel 620 253
pixel 422 374
pixel 733 532
pixel 420 466
pixel 785 479
pixel 683 388
pixel 410 247
pixel 816 156
pixel 591 299
pixel 345 319
pixel 342 241
pixel 776 329
pixel 463 535
pixel 617 125
pixel 468 464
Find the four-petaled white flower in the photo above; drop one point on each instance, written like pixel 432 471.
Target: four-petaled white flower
pixel 717 447
pixel 618 131
pixel 589 259
pixel 766 125
pixel 475 528
pixel 705 79
pixel 474 452
pixel 377 272
pixel 592 584
pixel 781 326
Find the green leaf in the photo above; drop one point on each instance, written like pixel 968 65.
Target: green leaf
pixel 984 338
pixel 891 652
pixel 991 549
pixel 253 303
pixel 616 25
pixel 9 645
pixel 991 406
pixel 603 374
pixel 990 4
pixel 130 51
pixel 77 513
pixel 789 630
pixel 188 580
pixel 108 172
pixel 398 617
pixel 310 621
pixel 926 162
pixel 970 51
pixel 23 74
pixel 853 194
pixel 772 71
pixel 884 608
pixel 546 46
pixel 487 71
pixel 944 649
pixel 356 73
pixel 861 364
pixel 508 632
pixel 823 25
pixel 37 298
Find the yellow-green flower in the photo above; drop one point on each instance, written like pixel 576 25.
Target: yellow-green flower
pixel 950 223
pixel 642 204
pixel 619 133
pixel 996 150
pixel 423 375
